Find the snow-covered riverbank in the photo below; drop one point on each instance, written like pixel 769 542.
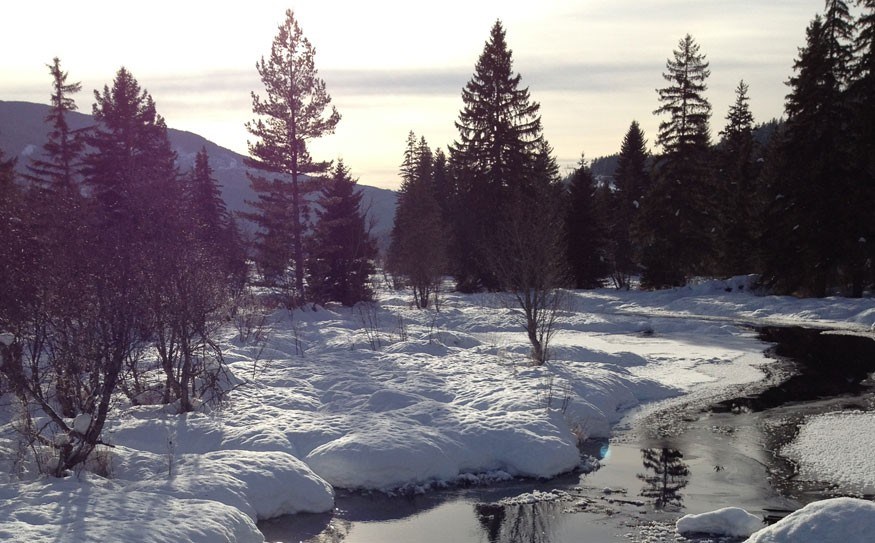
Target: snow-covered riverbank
pixel 389 397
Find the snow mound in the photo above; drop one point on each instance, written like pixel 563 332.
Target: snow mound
pixel 263 485
pixel 62 511
pixel 729 521
pixel 384 458
pixel 837 520
pixel 535 496
pixel 849 437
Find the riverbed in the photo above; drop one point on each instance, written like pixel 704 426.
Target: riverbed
pixel 678 456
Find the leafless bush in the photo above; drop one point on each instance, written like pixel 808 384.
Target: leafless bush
pixel 369 317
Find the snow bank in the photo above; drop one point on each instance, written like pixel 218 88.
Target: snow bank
pixel 71 511
pixel 263 485
pixel 838 448
pixel 729 521
pixel 838 520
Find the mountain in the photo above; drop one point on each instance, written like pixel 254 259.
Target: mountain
pixel 23 132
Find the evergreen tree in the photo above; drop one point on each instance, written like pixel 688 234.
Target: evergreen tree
pixel 632 182
pixel 678 210
pixel 738 208
pixel 58 171
pixel 584 230
pixel 418 241
pixel 499 139
pixel 17 261
pixel 292 113
pixel 862 104
pixel 205 198
pixel 212 224
pixel 342 251
pixel 807 241
pixel 838 34
pixel 131 167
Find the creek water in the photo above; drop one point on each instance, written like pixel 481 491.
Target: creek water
pixel 682 457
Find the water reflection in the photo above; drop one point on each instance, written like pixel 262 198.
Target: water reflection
pixel 667 474
pixel 529 523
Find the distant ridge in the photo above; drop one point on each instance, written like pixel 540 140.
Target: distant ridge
pixel 23 132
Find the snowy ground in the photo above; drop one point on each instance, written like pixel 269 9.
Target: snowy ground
pixel 837 448
pixel 392 397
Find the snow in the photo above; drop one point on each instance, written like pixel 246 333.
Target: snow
pixel 837 520
pixel 729 521
pixel 837 447
pixel 62 511
pixel 444 397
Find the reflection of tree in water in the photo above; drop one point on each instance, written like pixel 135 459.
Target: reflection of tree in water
pixel 666 475
pixel 524 523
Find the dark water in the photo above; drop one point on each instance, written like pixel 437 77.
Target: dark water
pixel 714 456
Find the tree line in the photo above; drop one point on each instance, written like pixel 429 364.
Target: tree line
pixel 789 199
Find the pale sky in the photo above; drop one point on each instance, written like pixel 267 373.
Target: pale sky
pixel 395 66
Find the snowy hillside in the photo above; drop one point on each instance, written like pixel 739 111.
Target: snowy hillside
pixel 23 132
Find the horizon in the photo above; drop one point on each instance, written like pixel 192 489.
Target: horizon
pixel 593 67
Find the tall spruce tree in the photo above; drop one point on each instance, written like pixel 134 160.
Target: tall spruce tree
pixel 131 162
pixel 499 139
pixel 342 252
pixel 584 230
pixel 293 111
pixel 678 208
pixel 418 247
pixel 205 198
pixel 57 171
pixel 632 182
pixel 807 243
pixel 862 105
pixel 738 206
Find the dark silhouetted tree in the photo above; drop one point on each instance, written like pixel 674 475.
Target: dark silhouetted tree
pixel 584 230
pixel 418 247
pixel 677 211
pixel 57 170
pixel 342 252
pixel 499 139
pixel 631 182
pixel 862 104
pixel 738 205
pixel 806 242
pixel 293 111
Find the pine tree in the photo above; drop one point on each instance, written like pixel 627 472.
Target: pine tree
pixel 131 167
pixel 678 210
pixel 632 182
pixel 418 240
pixel 838 33
pixel 807 241
pixel 499 138
pixel 342 251
pixel 861 98
pixel 57 173
pixel 292 113
pixel 738 203
pixel 205 198
pixel 584 230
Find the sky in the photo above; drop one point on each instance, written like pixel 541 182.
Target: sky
pixel 393 66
